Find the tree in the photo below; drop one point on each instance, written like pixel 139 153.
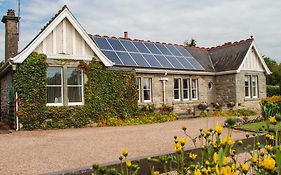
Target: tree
pixel 275 68
pixel 192 42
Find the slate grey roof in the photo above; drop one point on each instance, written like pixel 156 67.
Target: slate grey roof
pixel 203 57
pixel 229 56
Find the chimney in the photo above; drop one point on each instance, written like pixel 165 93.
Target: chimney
pixel 11 34
pixel 126 35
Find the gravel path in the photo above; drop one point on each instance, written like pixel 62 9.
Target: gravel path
pixel 39 152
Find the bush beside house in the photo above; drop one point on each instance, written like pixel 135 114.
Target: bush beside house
pixel 272 90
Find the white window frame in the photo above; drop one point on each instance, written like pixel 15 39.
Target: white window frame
pixel 247 79
pixel 62 86
pixel 194 88
pixel 138 83
pixel 186 89
pixel 178 89
pixel 82 89
pixel 150 89
pixel 254 88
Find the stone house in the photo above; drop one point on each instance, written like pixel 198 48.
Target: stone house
pixel 166 73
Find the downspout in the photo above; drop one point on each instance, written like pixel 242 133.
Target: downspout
pixel 164 79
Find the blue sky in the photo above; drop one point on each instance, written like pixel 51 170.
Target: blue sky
pixel 210 22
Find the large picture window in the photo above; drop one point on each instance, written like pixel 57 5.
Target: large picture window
pixel 55 86
pixel 251 86
pixel 147 89
pixel 74 86
pixel 177 89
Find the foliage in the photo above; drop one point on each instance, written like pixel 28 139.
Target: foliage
pixel 219 155
pixel 191 43
pixel 272 90
pixel 148 118
pixel 275 68
pixel 110 92
pixel 30 84
pixel 107 93
pixel 271 106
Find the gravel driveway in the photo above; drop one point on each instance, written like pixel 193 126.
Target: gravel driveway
pixel 39 152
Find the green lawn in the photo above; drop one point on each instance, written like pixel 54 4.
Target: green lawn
pixel 258 125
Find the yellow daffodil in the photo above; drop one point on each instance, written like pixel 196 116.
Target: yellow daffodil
pixel 125 152
pixel 207 162
pixel 216 158
pixel 218 128
pixel 245 168
pixel 272 120
pixel 268 163
pixel 182 141
pixel 254 159
pixel 197 172
pixel 240 142
pixel 268 147
pixel 192 156
pixel 156 173
pixel 227 141
pixel 206 171
pixel 178 148
pixel 232 152
pixel 128 163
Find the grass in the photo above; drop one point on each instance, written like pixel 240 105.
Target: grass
pixel 258 125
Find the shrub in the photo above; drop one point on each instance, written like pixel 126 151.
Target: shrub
pixel 272 90
pixel 271 106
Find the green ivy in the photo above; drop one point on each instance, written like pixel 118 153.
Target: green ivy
pixel 107 93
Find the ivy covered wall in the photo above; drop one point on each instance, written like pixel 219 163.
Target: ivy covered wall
pixel 107 93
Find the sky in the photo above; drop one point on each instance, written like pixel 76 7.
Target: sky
pixel 209 22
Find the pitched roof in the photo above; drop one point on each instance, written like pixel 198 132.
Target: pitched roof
pixel 230 55
pixel 203 57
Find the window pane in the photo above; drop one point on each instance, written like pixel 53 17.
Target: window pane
pixel 185 94
pixel 176 94
pixel 255 86
pixel 54 95
pixel 146 83
pixel 54 75
pixel 247 86
pixel 176 83
pixel 74 76
pixel 138 87
pixel 74 94
pixel 194 89
pixel 185 83
pixel 146 95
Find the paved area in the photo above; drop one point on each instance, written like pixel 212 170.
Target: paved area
pixel 39 152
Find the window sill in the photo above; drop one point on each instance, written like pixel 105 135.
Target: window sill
pixel 252 99
pixel 185 102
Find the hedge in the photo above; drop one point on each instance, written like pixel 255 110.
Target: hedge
pixel 272 90
pixel 107 93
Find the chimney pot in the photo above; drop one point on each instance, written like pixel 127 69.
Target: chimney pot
pixel 126 35
pixel 11 12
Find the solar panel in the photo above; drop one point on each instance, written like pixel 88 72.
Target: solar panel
pixel 146 54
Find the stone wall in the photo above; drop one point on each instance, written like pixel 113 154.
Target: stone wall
pixel 5 81
pixel 204 93
pixel 226 88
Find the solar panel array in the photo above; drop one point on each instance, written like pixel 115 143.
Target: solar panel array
pixel 146 54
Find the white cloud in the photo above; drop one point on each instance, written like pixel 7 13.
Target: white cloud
pixel 210 22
